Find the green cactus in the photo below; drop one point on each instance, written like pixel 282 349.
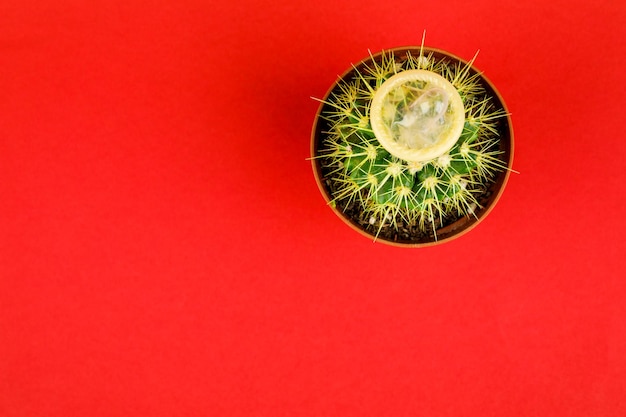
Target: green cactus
pixel 424 183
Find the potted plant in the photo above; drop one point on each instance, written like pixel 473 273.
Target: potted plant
pixel 412 146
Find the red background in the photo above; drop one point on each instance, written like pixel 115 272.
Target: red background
pixel 165 251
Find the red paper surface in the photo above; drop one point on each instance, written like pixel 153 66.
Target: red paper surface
pixel 165 251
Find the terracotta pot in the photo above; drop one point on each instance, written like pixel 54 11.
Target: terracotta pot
pixel 457 227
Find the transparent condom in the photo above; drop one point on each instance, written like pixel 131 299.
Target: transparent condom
pixel 417 115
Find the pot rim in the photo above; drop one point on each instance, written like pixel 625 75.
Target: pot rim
pixel 462 222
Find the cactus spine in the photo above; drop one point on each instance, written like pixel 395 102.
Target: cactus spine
pixel 393 190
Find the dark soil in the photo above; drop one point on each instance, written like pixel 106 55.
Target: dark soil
pixel 403 232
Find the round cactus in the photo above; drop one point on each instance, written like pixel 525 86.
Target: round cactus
pixel 411 142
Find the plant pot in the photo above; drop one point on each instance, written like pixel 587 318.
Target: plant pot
pixel 450 226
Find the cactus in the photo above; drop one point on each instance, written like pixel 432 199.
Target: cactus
pixel 398 147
